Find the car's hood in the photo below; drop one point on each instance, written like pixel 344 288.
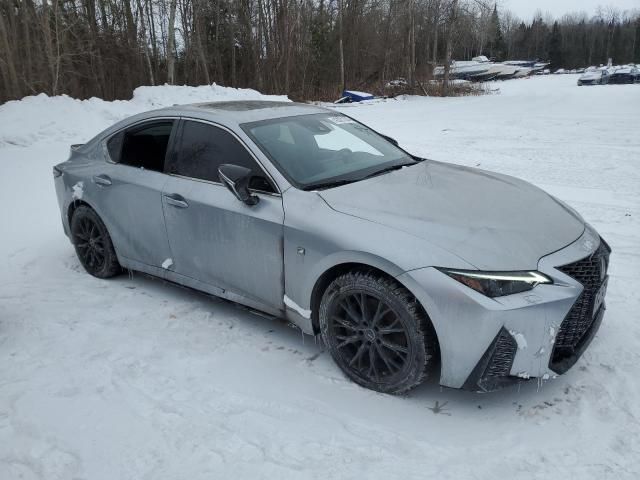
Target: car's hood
pixel 492 221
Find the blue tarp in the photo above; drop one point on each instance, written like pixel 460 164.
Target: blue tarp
pixel 356 96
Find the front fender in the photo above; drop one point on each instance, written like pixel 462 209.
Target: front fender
pixel 318 238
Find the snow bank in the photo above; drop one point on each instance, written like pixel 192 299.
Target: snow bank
pixel 43 119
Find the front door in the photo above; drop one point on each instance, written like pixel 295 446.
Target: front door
pixel 215 238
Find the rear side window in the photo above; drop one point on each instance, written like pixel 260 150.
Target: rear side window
pixel 114 146
pixel 203 148
pixel 143 146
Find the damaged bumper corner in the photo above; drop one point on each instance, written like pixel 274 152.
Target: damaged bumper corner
pixel 488 343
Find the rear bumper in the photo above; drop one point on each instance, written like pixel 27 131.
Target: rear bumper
pixel 63 204
pixel 488 343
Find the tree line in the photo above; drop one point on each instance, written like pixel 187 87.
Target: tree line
pixel 308 49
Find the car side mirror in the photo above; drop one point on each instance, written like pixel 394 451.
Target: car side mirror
pixel 236 179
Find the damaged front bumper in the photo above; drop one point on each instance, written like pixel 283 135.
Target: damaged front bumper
pixel 487 343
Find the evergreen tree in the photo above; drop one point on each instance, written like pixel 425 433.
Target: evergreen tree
pixel 636 44
pixel 497 45
pixel 555 47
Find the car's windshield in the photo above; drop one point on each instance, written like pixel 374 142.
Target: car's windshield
pixel 324 150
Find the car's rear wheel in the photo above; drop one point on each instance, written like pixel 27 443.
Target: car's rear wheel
pixel 377 332
pixel 93 244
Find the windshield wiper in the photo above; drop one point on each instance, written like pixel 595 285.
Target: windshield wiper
pixel 323 185
pixel 337 183
pixel 387 170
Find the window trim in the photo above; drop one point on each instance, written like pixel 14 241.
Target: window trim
pixel 175 147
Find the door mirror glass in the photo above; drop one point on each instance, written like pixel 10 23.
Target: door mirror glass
pixel 236 179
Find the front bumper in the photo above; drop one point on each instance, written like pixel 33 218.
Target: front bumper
pixel 486 342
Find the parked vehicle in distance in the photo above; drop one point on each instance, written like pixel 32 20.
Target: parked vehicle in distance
pixel 399 82
pixel 594 77
pixel 625 75
pixel 401 264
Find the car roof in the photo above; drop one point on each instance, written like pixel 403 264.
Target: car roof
pixel 242 111
pixel 230 114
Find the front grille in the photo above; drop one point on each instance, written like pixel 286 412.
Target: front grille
pixel 590 272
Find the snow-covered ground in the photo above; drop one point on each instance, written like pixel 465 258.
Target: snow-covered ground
pixel 132 378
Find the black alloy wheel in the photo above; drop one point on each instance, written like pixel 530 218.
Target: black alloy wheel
pixel 376 332
pixel 93 244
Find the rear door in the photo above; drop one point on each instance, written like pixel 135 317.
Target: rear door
pixel 130 185
pixel 215 238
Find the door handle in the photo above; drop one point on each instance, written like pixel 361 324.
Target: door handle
pixel 176 200
pixel 102 180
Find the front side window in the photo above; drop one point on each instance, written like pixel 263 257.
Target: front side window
pixel 204 147
pixel 142 146
pixel 321 150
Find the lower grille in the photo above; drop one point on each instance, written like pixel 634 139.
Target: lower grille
pixel 502 357
pixel 493 369
pixel 574 329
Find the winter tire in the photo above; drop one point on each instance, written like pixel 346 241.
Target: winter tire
pixel 93 244
pixel 377 332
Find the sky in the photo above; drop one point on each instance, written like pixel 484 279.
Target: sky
pixel 525 9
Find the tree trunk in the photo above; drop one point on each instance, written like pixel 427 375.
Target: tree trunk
pixel 14 90
pixel 343 85
pixel 411 41
pixel 145 46
pixel 436 21
pixel 171 42
pixel 449 45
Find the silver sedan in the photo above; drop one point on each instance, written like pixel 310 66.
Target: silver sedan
pixel 401 264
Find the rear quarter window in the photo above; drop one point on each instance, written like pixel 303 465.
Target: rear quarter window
pixel 114 146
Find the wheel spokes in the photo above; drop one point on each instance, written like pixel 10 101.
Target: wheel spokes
pixel 371 338
pixel 358 355
pixel 344 323
pixel 391 364
pixel 372 362
pixel 362 303
pixel 90 244
pixel 394 347
pixel 346 306
pixel 381 311
pixel 347 340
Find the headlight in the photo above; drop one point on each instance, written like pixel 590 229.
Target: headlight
pixel 497 284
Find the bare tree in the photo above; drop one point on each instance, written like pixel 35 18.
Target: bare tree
pixel 171 41
pixel 307 49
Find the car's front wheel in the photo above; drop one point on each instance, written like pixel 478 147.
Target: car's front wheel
pixel 93 244
pixel 377 332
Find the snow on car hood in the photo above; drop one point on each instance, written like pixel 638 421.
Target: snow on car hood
pixel 591 76
pixel 493 221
